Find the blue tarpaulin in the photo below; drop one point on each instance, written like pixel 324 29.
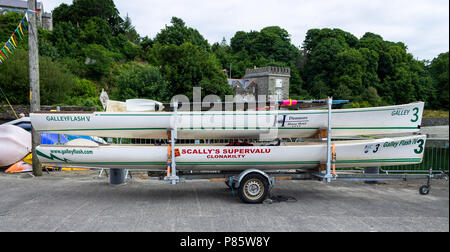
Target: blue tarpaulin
pixel 51 138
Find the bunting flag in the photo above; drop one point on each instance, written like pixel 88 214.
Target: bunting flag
pixel 18 33
pixel 12 43
pixel 20 27
pixel 8 47
pixel 24 25
pixel 2 51
pixel 20 10
pixel 12 39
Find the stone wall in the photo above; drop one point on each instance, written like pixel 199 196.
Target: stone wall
pixel 267 79
pixel 47 21
pixel 434 121
pixel 267 70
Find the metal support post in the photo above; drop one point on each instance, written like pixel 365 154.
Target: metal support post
pixel 328 175
pixel 117 176
pixel 173 179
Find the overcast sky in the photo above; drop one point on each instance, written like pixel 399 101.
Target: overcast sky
pixel 423 25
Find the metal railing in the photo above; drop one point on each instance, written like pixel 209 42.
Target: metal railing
pixel 436 156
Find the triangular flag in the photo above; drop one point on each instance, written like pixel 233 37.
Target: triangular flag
pixel 14 38
pixel 8 47
pixel 18 33
pixel 24 26
pixel 20 27
pixel 3 51
pixel 14 42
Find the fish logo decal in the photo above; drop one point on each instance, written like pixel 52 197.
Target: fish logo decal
pixel 52 157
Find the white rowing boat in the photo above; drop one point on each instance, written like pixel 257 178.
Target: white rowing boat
pixel 15 144
pixel 361 153
pixel 234 124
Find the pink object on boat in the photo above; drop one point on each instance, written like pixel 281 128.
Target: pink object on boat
pixel 289 103
pixel 15 144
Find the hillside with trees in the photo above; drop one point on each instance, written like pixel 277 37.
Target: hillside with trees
pixel 92 47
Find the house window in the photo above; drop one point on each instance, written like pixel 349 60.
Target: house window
pixel 278 83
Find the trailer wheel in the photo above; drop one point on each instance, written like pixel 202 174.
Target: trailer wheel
pixel 253 188
pixel 424 190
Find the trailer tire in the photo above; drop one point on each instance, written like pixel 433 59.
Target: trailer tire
pixel 253 188
pixel 424 190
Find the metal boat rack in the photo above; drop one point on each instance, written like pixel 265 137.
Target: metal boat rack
pixel 325 172
pixel 326 175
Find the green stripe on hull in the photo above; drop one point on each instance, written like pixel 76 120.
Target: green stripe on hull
pixel 114 163
pixel 261 113
pixel 401 160
pixel 134 114
pixel 406 160
pixel 225 128
pixel 102 129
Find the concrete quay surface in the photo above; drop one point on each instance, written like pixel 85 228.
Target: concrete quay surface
pixel 80 201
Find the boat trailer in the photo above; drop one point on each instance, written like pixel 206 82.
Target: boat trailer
pixel 254 185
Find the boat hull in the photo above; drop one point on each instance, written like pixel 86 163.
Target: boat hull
pixel 234 124
pixel 363 153
pixel 15 144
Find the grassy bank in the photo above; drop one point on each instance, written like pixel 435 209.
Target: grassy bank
pixel 435 113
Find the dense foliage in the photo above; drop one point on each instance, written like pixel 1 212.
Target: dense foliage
pixel 92 47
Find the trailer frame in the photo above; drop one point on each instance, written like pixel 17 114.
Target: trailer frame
pixel 262 179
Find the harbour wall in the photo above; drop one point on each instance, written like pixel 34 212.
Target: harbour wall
pixel 426 122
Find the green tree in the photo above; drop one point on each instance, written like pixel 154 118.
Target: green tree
pixel 134 80
pixel 187 66
pixel 46 47
pixel 272 43
pixel 14 78
pixel 269 47
pixel 129 30
pixel 223 54
pixel 439 74
pixel 178 33
pixel 8 23
pixel 349 71
pixel 322 62
pixel 64 13
pixel 371 68
pixel 66 38
pixel 55 82
pixel 98 61
pixel 96 31
pixel 371 96
pixel 83 10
